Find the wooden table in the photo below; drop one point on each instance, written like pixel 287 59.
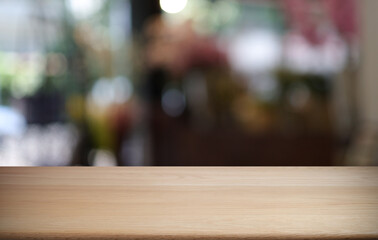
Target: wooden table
pixel 189 203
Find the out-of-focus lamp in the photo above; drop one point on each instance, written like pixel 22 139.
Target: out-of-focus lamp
pixel 173 6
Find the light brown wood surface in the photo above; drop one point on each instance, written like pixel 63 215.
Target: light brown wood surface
pixel 189 203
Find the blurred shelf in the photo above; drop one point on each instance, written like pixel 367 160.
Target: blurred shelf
pixel 178 145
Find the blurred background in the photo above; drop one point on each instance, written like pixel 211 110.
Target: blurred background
pixel 188 82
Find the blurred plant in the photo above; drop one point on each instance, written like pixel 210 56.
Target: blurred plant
pixel 20 74
pixel 304 101
pixel 318 85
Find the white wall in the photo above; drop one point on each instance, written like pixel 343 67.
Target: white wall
pixel 365 148
pixel 368 81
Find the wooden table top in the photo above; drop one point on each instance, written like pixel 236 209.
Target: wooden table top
pixel 189 203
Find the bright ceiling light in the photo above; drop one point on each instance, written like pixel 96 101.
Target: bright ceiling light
pixel 173 6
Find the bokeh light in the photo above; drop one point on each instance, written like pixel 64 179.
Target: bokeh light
pixel 173 6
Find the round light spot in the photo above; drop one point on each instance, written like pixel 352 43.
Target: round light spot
pixel 173 6
pixel 173 102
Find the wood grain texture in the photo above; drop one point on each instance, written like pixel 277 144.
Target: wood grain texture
pixel 189 203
